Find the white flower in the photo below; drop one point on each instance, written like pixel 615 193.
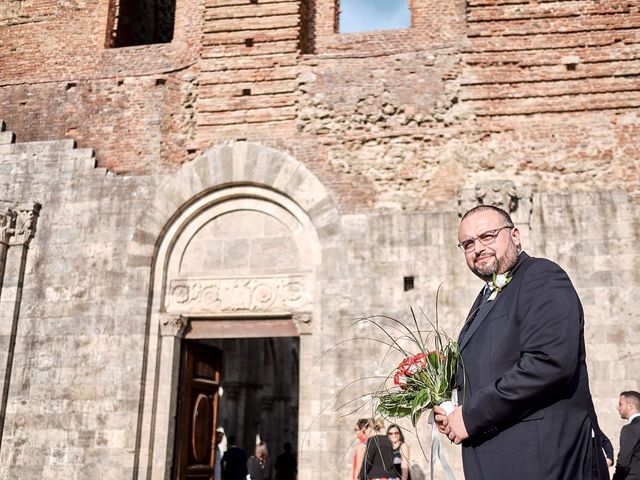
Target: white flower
pixel 497 284
pixel 500 281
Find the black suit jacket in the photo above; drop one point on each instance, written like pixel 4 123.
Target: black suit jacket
pixel 628 465
pixel 525 390
pixel 234 464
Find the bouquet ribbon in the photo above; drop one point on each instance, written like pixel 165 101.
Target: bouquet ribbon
pixel 436 445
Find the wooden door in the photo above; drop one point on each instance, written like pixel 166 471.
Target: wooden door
pixel 197 412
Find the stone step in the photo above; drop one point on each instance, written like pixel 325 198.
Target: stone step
pixel 6 137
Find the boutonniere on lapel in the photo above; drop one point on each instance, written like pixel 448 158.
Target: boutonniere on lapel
pixel 497 283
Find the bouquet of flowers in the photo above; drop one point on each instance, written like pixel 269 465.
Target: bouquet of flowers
pixel 422 380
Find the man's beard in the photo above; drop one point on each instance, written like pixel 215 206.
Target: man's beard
pixel 498 265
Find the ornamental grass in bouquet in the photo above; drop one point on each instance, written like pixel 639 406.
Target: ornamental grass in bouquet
pixel 425 378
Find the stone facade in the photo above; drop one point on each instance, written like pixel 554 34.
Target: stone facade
pixel 262 168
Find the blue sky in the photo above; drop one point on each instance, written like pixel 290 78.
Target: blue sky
pixel 367 15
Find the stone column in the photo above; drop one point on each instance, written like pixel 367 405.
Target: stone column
pixel 172 329
pixel 24 220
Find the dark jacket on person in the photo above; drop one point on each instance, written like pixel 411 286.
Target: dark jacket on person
pixel 259 469
pixel 607 446
pixel 526 401
pixel 628 464
pixel 234 464
pixel 286 466
pixel 378 459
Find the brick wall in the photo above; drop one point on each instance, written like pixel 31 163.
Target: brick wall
pixel 544 93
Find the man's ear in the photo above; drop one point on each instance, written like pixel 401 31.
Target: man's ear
pixel 515 236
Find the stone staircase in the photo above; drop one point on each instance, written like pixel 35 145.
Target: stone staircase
pixel 63 153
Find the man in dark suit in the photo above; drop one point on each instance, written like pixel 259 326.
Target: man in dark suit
pixel 234 462
pixel 628 465
pixel 525 408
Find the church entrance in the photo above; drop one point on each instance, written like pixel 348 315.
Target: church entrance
pixel 236 260
pixel 245 387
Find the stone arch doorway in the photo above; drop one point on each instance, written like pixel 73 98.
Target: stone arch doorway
pixel 240 239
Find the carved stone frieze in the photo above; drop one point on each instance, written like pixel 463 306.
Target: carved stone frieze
pixel 279 293
pixel 517 201
pixel 173 326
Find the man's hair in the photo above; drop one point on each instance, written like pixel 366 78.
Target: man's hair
pixel 483 208
pixel 633 398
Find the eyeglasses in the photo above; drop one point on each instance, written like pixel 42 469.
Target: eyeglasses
pixel 486 238
pixel 393 433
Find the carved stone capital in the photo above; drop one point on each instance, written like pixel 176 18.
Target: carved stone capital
pixel 25 223
pixel 517 201
pixel 172 326
pixel 7 225
pixel 303 320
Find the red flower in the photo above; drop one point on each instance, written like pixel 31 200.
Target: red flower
pixel 412 365
pixel 400 380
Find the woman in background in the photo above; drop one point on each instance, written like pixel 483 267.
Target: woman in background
pixel 400 451
pixel 259 465
pixel 363 431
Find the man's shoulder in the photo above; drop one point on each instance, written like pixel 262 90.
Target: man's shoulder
pixel 535 265
pixel 634 425
pixel 632 428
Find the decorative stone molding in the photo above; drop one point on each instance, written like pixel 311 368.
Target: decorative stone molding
pixel 173 326
pixel 302 320
pixel 279 293
pixel 25 219
pixel 517 201
pixel 7 224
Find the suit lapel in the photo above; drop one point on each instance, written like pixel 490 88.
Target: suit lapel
pixel 486 307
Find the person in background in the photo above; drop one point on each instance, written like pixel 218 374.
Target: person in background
pixel 259 465
pixel 286 466
pixel 378 459
pixel 400 451
pixel 628 465
pixel 217 466
pixel 363 431
pixel 234 462
pixel 607 446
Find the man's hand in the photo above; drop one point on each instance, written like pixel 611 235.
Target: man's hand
pixel 440 417
pixel 452 425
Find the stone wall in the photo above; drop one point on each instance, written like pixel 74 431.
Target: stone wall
pixel 73 396
pixel 373 139
pixel 83 335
